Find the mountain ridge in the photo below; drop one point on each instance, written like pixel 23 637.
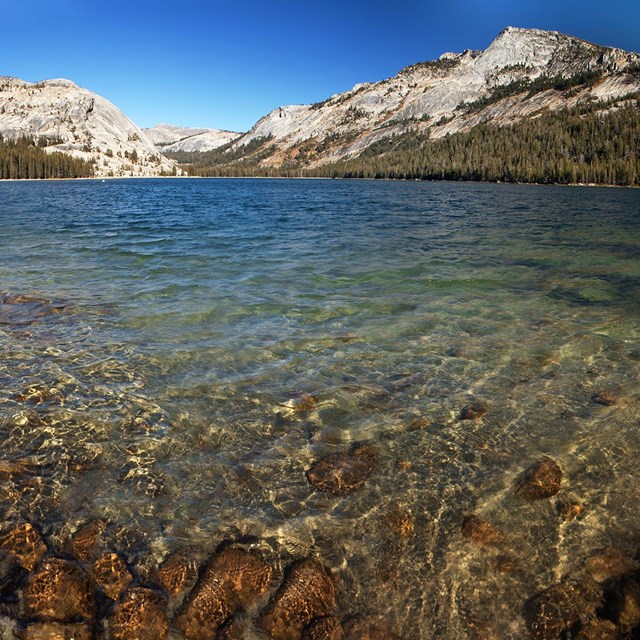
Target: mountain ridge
pixel 521 74
pixel 80 123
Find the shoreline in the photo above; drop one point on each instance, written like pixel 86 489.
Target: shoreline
pixel 497 182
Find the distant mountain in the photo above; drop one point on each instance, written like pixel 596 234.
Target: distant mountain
pixel 80 123
pixel 522 75
pixel 167 137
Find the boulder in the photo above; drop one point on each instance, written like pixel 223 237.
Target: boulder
pixel 342 473
pixel 541 480
pixel 307 592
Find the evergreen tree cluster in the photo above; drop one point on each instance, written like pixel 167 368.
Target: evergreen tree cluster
pixel 561 147
pixel 26 158
pixel 592 143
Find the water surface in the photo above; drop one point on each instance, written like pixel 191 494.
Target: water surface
pixel 155 386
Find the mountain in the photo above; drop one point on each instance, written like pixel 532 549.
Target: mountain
pixel 167 137
pixel 64 117
pixel 523 74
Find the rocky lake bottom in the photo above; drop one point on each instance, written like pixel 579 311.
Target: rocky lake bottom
pixel 318 410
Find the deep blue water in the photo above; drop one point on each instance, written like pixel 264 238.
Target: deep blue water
pixel 152 375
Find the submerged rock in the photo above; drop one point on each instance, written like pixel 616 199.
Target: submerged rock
pixel 569 509
pixel 308 592
pixel 179 571
pixel 557 611
pixel 605 398
pixel 365 628
pixel 25 544
pixel 598 630
pixel 608 563
pixel 326 628
pixel 112 575
pixel 342 473
pixel 141 615
pixel 59 591
pixel 234 578
pixel 623 604
pixel 474 410
pixel 407 381
pixel 400 521
pixel 480 533
pixel 57 631
pixel 86 543
pixel 301 402
pixel 541 480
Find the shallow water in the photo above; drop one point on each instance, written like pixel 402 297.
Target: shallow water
pixel 150 379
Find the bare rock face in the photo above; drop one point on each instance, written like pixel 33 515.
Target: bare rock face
pixel 430 97
pixel 168 137
pixel 78 122
pixel 541 480
pixel 58 631
pixel 112 575
pixel 327 628
pixel 60 591
pixel 233 579
pixel 342 473
pixel 25 544
pixel 308 592
pixel 140 615
pixel 480 533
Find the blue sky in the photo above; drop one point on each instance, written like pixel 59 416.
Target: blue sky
pixel 226 63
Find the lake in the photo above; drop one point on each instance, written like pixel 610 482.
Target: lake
pixel 177 354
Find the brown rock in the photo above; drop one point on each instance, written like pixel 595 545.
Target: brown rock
pixel 141 615
pixel 417 423
pixel 608 563
pixel 364 628
pixel 553 613
pixel 341 473
pixel 233 630
pixel 541 480
pixel 605 398
pixel 326 628
pixel 569 509
pixel 407 381
pixel 59 591
pixel 247 575
pixel 479 532
pixel 25 544
pixel 302 402
pixel 504 564
pixel 598 630
pixel 308 592
pixel 112 575
pixel 233 578
pixel 179 571
pixel 57 631
pixel 86 543
pixel 400 521
pixel 474 410
pixel 623 603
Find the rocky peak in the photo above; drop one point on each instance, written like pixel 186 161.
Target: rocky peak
pixel 78 122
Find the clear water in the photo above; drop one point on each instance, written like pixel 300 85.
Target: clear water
pixel 154 390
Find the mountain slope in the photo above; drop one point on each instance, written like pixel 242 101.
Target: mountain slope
pixel 523 73
pixel 80 123
pixel 170 138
